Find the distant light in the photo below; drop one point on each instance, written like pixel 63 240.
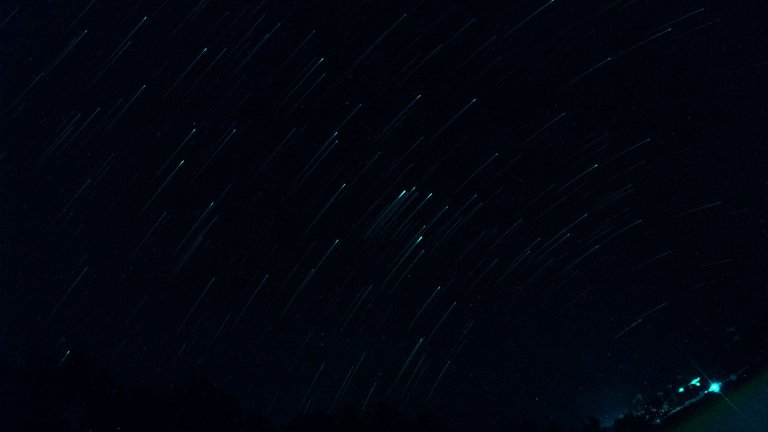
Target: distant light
pixel 696 382
pixel 680 390
pixel 714 387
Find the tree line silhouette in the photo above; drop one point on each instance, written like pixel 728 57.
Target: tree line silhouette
pixel 73 394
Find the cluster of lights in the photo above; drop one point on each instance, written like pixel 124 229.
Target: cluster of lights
pixel 697 389
pixel 714 387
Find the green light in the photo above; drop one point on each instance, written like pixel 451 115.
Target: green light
pixel 696 382
pixel 714 387
pixel 680 390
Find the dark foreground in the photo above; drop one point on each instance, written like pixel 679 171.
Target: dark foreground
pixel 73 394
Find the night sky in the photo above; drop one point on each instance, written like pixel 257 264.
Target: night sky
pixel 494 210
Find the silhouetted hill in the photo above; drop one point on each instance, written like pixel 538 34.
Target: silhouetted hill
pixel 75 394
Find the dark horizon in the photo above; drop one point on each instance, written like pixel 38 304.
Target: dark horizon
pixel 75 393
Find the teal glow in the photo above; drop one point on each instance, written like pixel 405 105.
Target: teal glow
pixel 680 390
pixel 696 382
pixel 714 387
